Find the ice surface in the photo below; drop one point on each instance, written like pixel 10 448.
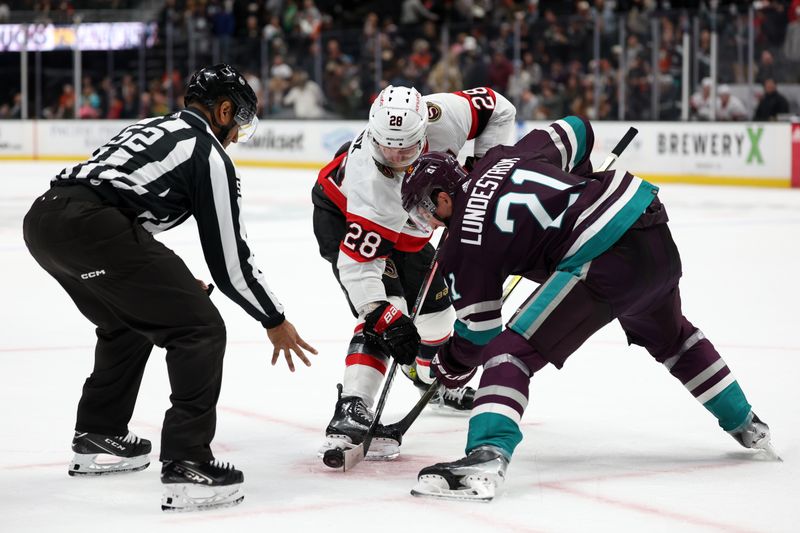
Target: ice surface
pixel 612 442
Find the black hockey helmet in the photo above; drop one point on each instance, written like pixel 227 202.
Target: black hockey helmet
pixel 430 174
pixel 209 84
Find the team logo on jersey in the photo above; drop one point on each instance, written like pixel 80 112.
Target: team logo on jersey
pixel 391 269
pixel 434 112
pixel 386 171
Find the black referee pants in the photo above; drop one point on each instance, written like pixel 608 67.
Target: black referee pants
pixel 138 293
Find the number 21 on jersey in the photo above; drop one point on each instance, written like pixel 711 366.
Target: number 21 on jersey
pixel 530 200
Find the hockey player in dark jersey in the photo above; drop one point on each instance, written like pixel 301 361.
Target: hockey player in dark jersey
pixel 599 246
pixel 380 261
pixel 93 232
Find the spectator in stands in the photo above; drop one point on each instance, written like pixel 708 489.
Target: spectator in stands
pixel 791 45
pixel 729 106
pixel 421 57
pixel 273 29
pixel 223 26
pixel 90 101
pixel 250 44
pixel 199 29
pixel 530 72
pixel 700 101
pixel 15 110
pixel 413 12
pixel 309 19
pixel 66 102
pixel 773 22
pixel 766 67
pixel 500 70
pixel 528 106
pixel 473 64
pixel 305 97
pixel 159 104
pixel 255 83
pixel 772 103
pixel 551 104
pixel 279 80
pixel 638 105
pixel 445 76
pixel 130 98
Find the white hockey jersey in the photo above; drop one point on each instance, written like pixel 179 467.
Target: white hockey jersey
pixel 369 195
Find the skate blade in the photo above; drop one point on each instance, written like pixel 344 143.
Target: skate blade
pixel 769 451
pixel 446 410
pixel 187 497
pixel 437 487
pixel 101 464
pixel 379 450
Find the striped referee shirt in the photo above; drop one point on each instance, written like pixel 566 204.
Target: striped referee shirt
pixel 168 168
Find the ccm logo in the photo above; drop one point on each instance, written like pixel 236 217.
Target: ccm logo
pixel 115 444
pixel 90 275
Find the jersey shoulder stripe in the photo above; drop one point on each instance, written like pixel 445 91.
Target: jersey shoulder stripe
pixel 482 103
pixel 624 205
pixel 569 137
pixel 327 181
pixel 366 240
pixel 410 243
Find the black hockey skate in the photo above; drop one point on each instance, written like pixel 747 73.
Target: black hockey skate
pixel 97 454
pixel 459 400
pixel 200 486
pixel 755 434
pixel 350 422
pixel 473 478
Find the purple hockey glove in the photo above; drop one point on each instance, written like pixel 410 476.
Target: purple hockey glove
pixel 450 373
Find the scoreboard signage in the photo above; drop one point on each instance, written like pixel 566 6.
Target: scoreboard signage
pixel 87 36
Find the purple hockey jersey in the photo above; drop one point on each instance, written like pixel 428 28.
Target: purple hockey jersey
pixel 531 209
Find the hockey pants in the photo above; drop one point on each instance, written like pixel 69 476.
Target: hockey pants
pixel 138 294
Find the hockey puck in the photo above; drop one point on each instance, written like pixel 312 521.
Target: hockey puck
pixel 333 458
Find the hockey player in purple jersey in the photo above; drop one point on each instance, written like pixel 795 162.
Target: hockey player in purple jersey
pixel 599 246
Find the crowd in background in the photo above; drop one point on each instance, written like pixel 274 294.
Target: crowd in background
pixel 328 59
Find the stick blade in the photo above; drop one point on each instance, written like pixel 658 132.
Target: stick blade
pixel 353 456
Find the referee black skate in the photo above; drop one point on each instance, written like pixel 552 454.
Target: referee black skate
pixel 93 232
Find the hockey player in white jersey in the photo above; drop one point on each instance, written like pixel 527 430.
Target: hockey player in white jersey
pixel 380 260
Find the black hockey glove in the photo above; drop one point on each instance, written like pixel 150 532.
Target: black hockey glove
pixel 395 333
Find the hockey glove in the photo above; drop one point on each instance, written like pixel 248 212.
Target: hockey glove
pixel 450 373
pixel 395 333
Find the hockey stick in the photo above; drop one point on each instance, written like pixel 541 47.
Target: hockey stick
pixel 607 164
pixel 403 424
pixel 347 459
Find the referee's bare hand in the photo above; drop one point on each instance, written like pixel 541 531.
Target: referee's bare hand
pixel 284 338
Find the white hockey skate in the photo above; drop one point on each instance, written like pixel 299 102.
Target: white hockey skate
pixel 350 422
pixel 97 454
pixel 473 478
pixel 200 486
pixel 755 434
